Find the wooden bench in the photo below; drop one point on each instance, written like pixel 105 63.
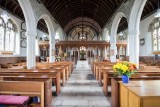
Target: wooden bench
pixel 100 73
pixel 24 88
pixel 65 72
pixel 47 86
pixel 68 66
pixel 55 76
pixel 98 66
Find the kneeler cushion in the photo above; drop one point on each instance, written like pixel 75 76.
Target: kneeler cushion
pixel 8 99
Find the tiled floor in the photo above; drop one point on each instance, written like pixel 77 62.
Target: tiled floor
pixel 81 92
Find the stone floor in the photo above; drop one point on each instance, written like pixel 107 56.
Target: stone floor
pixel 81 90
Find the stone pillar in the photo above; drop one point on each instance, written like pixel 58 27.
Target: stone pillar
pixel 105 52
pixel 99 52
pixel 31 57
pixel 113 52
pixel 134 47
pixel 94 54
pixel 60 51
pixel 52 49
pixel 78 54
pixel 71 54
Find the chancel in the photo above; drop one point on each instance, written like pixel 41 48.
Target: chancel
pixel 79 53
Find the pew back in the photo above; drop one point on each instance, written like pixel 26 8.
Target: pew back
pixel 28 88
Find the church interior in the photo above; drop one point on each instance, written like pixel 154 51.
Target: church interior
pixel 79 53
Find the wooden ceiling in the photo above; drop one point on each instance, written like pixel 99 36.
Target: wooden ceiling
pixel 65 11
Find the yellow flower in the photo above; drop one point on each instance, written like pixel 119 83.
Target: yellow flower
pixel 114 67
pixel 124 68
pixel 118 65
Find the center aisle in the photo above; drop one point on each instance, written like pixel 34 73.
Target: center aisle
pixel 81 90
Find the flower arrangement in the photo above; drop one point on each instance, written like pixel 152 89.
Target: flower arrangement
pixel 125 68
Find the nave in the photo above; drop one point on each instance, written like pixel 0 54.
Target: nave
pixel 81 90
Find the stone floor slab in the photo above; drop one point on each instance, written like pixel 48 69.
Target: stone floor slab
pixel 81 90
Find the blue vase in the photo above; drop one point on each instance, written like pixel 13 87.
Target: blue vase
pixel 125 79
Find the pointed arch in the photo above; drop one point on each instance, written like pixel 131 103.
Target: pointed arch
pixel 115 24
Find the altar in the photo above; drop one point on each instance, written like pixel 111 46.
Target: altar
pixel 82 64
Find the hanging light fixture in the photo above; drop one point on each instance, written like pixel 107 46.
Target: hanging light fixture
pixel 5 14
pixel 157 14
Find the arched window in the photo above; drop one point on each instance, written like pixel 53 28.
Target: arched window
pixel 7 36
pixel 2 28
pixel 155 28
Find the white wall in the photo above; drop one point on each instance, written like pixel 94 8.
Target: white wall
pixel 21 51
pixel 146 49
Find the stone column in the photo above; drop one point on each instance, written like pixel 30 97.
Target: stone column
pixel 31 57
pixel 52 51
pixel 60 51
pixel 105 52
pixel 71 54
pixel 113 50
pixel 94 54
pixel 78 54
pixel 134 46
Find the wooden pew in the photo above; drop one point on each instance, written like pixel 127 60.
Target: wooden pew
pixel 115 87
pixel 47 86
pixel 100 73
pixel 67 65
pixel 57 68
pixel 65 72
pixel 55 76
pixel 25 88
pixel 70 64
pixel 98 66
pixel 34 71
